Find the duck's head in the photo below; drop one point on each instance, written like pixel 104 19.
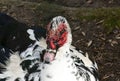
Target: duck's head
pixel 58 37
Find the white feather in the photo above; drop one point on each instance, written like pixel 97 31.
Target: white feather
pixel 31 33
pixel 13 69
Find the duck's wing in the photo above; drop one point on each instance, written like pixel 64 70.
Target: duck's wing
pixel 14 67
pixel 32 61
pixel 87 69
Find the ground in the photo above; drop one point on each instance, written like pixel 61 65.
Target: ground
pixel 95 26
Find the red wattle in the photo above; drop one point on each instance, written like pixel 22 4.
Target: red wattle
pixel 52 45
pixel 63 39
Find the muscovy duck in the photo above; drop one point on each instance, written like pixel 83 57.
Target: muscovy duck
pixel 62 62
pixel 36 64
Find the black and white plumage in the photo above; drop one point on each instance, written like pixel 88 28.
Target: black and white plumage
pixel 17 44
pixel 4 54
pixel 12 70
pixel 19 66
pixel 16 66
pixel 17 36
pixel 62 61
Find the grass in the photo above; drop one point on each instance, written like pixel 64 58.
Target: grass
pixel 110 17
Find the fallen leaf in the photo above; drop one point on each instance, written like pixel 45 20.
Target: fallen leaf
pixel 76 28
pixel 90 1
pixel 117 36
pixel 101 21
pixel 83 33
pixel 89 43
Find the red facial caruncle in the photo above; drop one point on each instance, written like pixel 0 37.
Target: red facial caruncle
pixel 56 38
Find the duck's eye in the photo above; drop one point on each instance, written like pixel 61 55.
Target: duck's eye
pixel 62 31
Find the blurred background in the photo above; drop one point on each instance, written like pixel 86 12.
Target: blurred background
pixel 95 26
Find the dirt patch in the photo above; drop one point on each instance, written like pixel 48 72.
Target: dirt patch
pixel 87 3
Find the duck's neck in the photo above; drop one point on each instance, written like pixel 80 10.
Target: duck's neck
pixel 63 51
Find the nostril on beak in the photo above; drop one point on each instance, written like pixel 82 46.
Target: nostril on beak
pixel 47 60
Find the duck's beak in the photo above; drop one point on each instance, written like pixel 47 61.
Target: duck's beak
pixel 49 57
